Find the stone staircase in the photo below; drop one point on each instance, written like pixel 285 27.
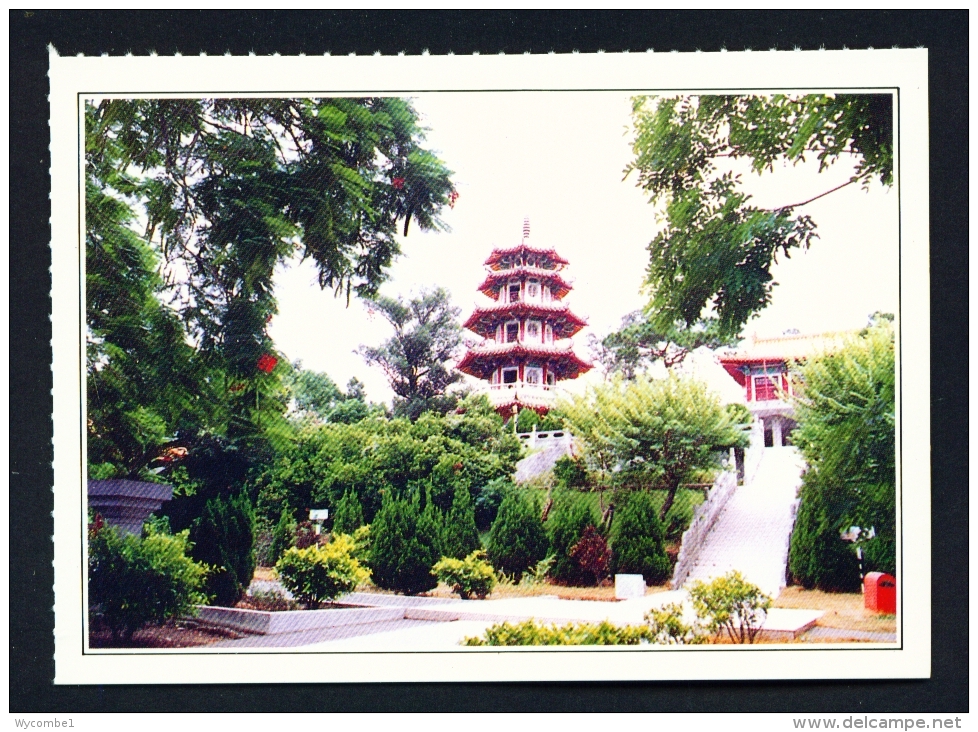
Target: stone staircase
pixel 752 532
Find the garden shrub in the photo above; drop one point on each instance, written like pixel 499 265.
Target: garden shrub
pixel 592 554
pixel 283 536
pixel 570 473
pixel 318 574
pixel 566 525
pixel 362 544
pixel 305 535
pixel 223 538
pixel 526 420
pixel 348 515
pixel 460 536
pixel 818 557
pixel 730 604
pixel 488 501
pixel 133 581
pixel 404 548
pixel 517 540
pixel 669 627
pixel 637 545
pixel 532 633
pixel 470 576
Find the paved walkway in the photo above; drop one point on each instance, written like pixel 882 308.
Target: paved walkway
pixel 752 532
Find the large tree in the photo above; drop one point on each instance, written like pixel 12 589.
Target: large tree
pixel 638 344
pixel 652 433
pixel 227 189
pixel 712 257
pixel 417 358
pixel 846 413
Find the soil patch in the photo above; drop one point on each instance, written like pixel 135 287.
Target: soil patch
pixel 172 634
pixel 843 610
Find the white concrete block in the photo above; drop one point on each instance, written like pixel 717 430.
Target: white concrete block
pixel 628 586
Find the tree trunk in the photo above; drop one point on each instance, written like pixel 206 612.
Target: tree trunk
pixel 667 504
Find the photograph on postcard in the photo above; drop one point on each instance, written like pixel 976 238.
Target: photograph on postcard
pixel 477 371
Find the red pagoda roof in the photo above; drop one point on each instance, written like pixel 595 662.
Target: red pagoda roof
pixel 498 276
pixel 778 350
pixel 498 254
pixel 483 320
pixel 481 360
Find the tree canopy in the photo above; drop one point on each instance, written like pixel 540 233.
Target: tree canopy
pixel 416 359
pixel 712 257
pixel 190 206
pixel 652 433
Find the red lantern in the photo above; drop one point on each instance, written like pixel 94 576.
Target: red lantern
pixel 267 363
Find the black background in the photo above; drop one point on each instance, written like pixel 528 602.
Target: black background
pixel 944 34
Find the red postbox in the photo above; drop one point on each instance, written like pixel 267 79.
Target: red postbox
pixel 879 593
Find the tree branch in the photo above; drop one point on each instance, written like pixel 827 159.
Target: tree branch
pixel 815 198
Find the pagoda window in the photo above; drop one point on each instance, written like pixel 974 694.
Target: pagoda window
pixel 534 375
pixel 766 387
pixel 551 380
pixel 548 333
pixel 512 331
pixel 533 331
pixel 532 289
pixel 514 292
pixel 546 293
pixel 510 375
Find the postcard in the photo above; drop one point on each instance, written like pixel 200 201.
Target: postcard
pixel 515 368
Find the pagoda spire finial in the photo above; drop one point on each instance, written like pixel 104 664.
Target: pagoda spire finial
pixel 526 228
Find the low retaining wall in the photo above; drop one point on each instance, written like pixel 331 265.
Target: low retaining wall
pixel 704 517
pixel 262 622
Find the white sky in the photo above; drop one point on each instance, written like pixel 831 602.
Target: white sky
pixel 558 158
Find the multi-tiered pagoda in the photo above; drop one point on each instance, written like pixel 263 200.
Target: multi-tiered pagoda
pixel 527 329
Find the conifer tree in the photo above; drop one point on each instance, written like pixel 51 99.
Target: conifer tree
pixel 223 538
pixel 404 549
pixel 637 545
pixel 517 540
pixel 565 527
pixel 461 537
pixel 349 514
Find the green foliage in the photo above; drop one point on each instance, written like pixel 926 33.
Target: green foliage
pixel 652 432
pixel 133 581
pixel 566 525
pixel 472 575
pixel 638 344
pixel 637 540
pixel 223 538
pixel 517 540
pixel 317 395
pixel 715 250
pixel 669 627
pixel 818 556
pixel 229 189
pixel 348 515
pixel 405 546
pixel 489 499
pixel 730 604
pixel 570 472
pixel 526 420
pixel 439 454
pixel 416 360
pixel 845 407
pixel 283 536
pixel 592 555
pixel 319 574
pixel 532 633
pixel 460 536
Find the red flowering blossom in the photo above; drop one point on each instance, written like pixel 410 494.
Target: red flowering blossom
pixel 267 363
pixel 96 526
pixel 398 183
pixel 592 554
pixel 452 198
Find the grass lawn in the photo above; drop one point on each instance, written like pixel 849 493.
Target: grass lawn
pixel 843 610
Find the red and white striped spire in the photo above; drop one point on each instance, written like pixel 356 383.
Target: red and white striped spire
pixel 526 228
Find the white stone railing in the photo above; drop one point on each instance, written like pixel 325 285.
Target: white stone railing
pixel 704 517
pixel 536 439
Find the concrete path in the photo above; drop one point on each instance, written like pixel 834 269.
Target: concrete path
pixel 752 532
pixel 842 635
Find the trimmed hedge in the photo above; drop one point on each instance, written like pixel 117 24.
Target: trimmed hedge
pixel 405 545
pixel 517 540
pixel 223 538
pixel 637 540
